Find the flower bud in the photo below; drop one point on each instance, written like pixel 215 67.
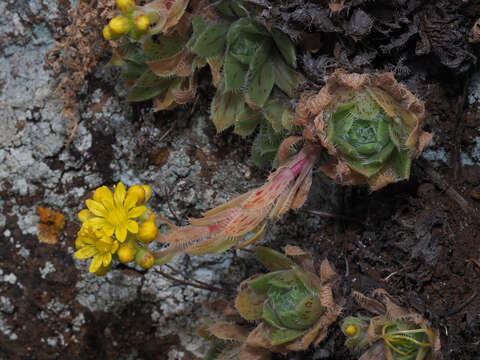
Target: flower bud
pixel 350 330
pixel 125 5
pixel 84 215
pixel 138 192
pixel 103 270
pixel 144 258
pixel 119 25
pixel 107 33
pixel 126 253
pixel 148 192
pixel 148 215
pixel 147 232
pixel 142 23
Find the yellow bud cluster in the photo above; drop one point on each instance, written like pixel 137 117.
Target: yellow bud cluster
pixel 125 5
pixel 142 23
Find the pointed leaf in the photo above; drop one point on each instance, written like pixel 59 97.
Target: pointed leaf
pixel 235 73
pixel 286 78
pixel 199 25
pixel 211 41
pixel 225 109
pixel 273 260
pixel 161 46
pixel 402 163
pixel 132 70
pixel 148 86
pixel 270 317
pixel 278 336
pixel 261 283
pixel 247 122
pixel 261 55
pixel 286 47
pixel 249 304
pixel 273 111
pixel 261 85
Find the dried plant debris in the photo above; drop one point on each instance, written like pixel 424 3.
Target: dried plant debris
pixel 228 338
pixel 393 334
pixel 369 124
pixel 350 32
pixel 77 53
pixel 293 304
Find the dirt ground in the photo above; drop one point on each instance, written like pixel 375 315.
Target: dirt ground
pixel 419 240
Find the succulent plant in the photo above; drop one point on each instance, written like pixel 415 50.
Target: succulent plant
pixel 370 125
pixel 395 334
pixel 293 304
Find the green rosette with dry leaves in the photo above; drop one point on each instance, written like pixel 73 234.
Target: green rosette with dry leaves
pixel 292 304
pixel 254 72
pixel 394 334
pixel 369 124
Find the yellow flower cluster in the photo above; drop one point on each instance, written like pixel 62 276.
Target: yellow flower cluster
pixel 114 224
pixel 130 21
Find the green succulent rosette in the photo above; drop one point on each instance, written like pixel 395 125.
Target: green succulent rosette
pixel 292 304
pixel 370 125
pixel 395 334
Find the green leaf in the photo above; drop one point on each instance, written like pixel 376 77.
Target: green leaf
pixel 287 118
pixel 260 56
pixel 226 107
pixel 160 46
pixel 261 85
pixel 345 148
pixel 265 146
pixel 261 284
pixel 148 86
pixel 381 156
pixel 249 304
pixel 199 25
pixel 273 260
pixel 383 135
pixel 270 317
pixel 132 70
pixel 245 26
pixel 367 170
pixel 286 78
pixel 211 41
pixel 235 73
pixel 402 163
pixel 133 52
pixel 343 119
pixel 286 47
pixel 281 336
pixel 247 122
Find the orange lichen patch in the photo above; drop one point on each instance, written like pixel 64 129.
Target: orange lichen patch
pixel 50 225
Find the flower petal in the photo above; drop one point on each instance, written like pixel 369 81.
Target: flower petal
pixel 119 195
pixel 108 228
pixel 96 263
pixel 96 208
pixel 107 259
pixel 121 232
pixel 136 211
pixel 132 226
pixel 114 247
pixel 85 252
pixel 130 201
pixel 96 222
pixel 105 196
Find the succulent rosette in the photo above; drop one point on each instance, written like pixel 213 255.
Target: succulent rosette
pixel 369 124
pixel 293 304
pixel 394 334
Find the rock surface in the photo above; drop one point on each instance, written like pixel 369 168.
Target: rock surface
pixel 50 306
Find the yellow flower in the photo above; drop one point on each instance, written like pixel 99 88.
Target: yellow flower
pixel 142 23
pixel 114 213
pixel 126 253
pixel 125 5
pixel 119 25
pixel 148 232
pixel 107 33
pixel 93 242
